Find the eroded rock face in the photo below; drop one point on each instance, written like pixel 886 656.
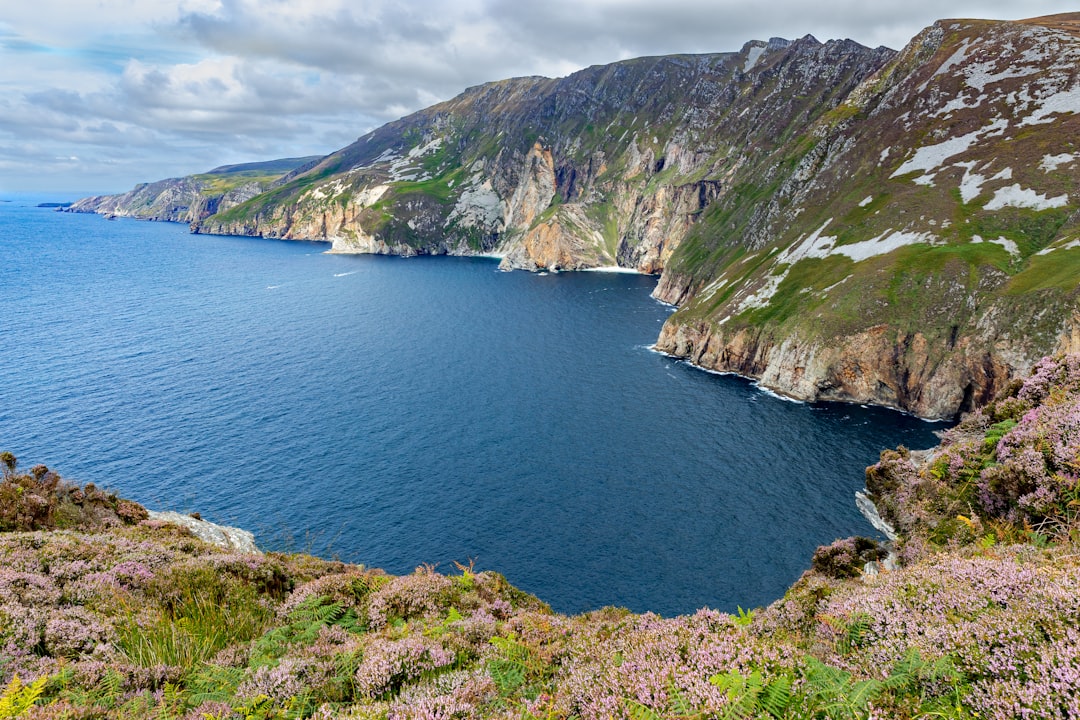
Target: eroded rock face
pixel 911 253
pixel 223 535
pixel 877 366
pixel 612 165
pixel 569 240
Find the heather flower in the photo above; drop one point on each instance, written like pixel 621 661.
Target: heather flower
pixel 439 708
pixel 478 628
pixel 388 664
pixel 417 595
pixel 210 710
pixel 73 631
pixel 288 679
pixel 501 609
pixel 29 589
pixel 347 588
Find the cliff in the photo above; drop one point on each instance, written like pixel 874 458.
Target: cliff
pixel 108 613
pixel 918 248
pixel 611 165
pixel 193 197
pixel 839 222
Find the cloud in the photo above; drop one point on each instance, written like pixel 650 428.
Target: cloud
pixel 139 88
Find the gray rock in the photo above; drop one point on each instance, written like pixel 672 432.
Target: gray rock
pixel 223 535
pixel 870 512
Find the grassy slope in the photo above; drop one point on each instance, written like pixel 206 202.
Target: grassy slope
pixel 919 288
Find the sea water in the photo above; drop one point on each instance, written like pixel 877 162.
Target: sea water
pixel 396 412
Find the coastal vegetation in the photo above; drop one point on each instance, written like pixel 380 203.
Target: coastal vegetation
pixel 105 613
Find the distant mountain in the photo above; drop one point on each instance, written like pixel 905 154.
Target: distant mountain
pixel 609 166
pixel 841 222
pixel 193 197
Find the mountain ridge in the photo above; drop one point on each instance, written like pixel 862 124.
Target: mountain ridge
pixel 836 221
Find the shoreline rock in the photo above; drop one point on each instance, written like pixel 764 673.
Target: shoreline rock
pixel 221 535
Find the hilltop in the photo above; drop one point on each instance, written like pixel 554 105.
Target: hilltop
pixel 109 613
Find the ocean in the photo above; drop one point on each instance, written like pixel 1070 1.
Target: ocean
pixel 397 412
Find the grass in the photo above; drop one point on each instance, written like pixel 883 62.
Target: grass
pixel 791 297
pixel 197 613
pixel 1057 270
pixel 219 184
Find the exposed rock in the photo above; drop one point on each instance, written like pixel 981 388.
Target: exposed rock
pixel 870 512
pixel 193 197
pixel 223 535
pixel 637 150
pixel 870 274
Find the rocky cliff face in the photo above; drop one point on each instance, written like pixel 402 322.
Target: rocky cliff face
pixel 612 165
pixel 840 222
pixel 193 197
pixel 920 248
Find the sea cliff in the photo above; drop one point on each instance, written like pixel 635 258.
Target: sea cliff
pixel 839 222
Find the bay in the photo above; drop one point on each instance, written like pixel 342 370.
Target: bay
pixel 395 412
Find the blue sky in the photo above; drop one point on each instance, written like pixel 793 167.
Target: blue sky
pixel 97 97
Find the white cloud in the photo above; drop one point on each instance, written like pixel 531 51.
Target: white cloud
pixel 140 89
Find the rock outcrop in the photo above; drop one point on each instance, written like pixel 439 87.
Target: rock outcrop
pixel 222 535
pixel 193 197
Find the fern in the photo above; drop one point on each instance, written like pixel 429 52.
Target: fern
pixel 678 704
pixel 305 623
pixel 854 633
pixel 678 707
pixel 743 693
pixel 834 692
pixel 912 674
pixel 775 697
pixel 172 702
pixel 108 690
pixel 213 683
pixel 744 618
pixel 520 670
pixel 508 675
pixel 638 711
pixel 18 698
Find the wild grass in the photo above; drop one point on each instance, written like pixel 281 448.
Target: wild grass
pixel 195 614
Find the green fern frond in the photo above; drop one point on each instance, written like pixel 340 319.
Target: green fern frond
pixel 638 711
pixel 744 618
pixel 678 704
pixel 775 697
pixel 508 675
pixel 855 633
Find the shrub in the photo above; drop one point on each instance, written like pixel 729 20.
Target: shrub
pixel 846 558
pixel 42 500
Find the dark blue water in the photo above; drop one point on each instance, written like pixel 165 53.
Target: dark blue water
pixel 396 412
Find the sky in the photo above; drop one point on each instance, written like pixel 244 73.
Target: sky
pixel 98 95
